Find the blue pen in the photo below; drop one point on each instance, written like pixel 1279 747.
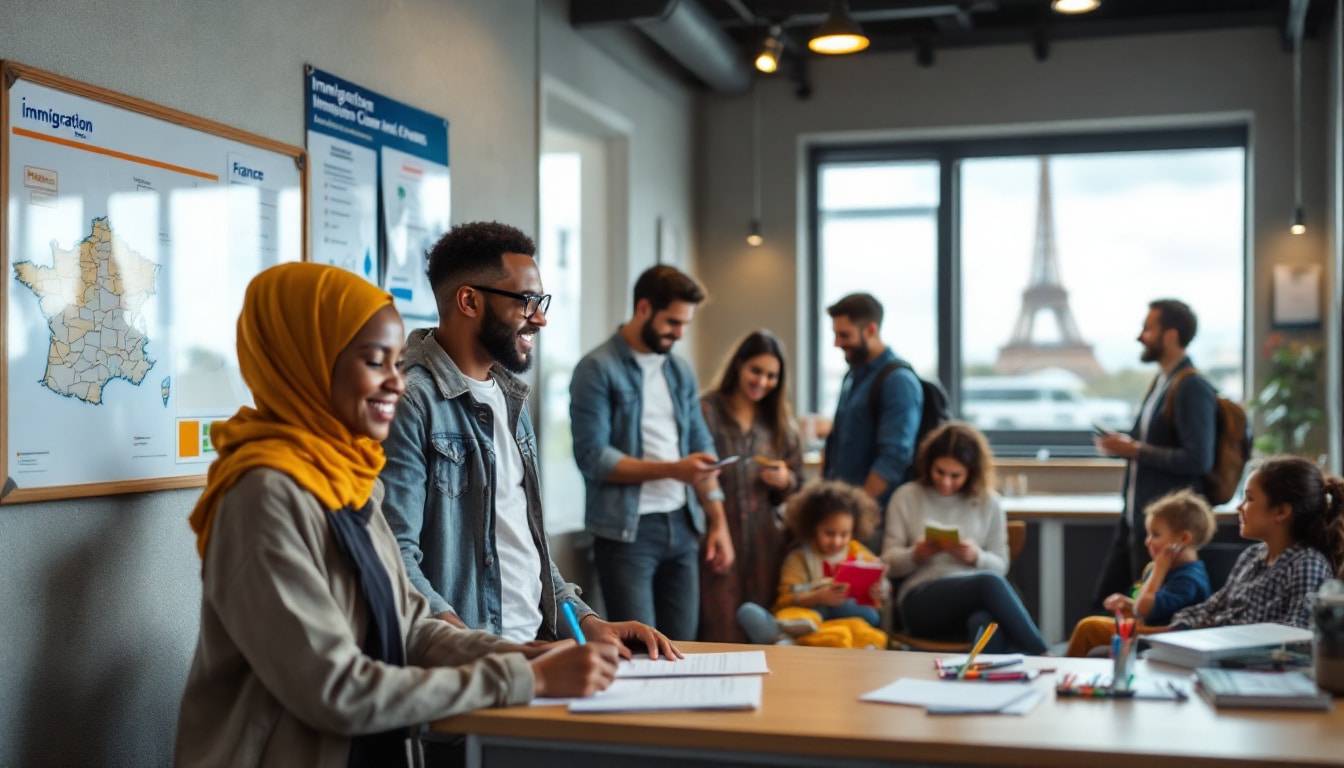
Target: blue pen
pixel 568 609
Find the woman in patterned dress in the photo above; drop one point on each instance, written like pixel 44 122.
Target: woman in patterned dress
pixel 748 414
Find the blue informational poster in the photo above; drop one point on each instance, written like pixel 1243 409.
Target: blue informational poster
pixel 378 187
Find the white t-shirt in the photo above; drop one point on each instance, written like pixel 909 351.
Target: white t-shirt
pixel 659 435
pixel 519 560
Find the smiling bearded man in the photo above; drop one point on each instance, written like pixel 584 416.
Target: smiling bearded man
pixel 462 490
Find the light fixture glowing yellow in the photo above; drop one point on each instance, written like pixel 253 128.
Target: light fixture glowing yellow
pixel 1299 226
pixel 1075 6
pixel 771 50
pixel 839 33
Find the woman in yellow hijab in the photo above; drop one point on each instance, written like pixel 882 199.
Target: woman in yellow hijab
pixel 314 649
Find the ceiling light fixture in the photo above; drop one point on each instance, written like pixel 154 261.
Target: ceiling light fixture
pixel 1075 6
pixel 839 33
pixel 771 50
pixel 1298 223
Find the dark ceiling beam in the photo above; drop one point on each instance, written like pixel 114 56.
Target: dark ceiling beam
pixel 954 22
pixel 930 11
pixel 1074 29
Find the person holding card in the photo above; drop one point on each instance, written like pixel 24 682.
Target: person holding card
pixel 954 580
pixel 748 415
pixel 654 506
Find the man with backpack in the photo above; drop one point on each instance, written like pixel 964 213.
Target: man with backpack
pixel 867 447
pixel 1172 444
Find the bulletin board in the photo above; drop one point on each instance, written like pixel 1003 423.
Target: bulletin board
pixel 129 234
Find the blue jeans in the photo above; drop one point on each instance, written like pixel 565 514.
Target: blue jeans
pixel 848 610
pixel 655 578
pixel 957 606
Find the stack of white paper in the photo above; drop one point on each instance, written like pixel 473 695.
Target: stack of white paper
pixel 697 665
pixel 942 697
pixel 673 693
pixel 698 681
pixel 1202 647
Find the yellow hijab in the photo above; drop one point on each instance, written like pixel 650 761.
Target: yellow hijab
pixel 296 319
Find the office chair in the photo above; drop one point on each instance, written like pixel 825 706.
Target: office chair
pixel 1017 537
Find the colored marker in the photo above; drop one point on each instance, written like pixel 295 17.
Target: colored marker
pixel 568 609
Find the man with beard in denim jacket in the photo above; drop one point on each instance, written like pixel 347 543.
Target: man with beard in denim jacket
pixel 647 460
pixel 463 495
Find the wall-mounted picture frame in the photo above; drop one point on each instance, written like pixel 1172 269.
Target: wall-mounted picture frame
pixel 1296 297
pixel 669 243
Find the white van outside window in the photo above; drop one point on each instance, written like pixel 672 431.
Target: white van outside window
pixel 1051 400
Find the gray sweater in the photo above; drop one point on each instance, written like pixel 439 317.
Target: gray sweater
pixel 913 505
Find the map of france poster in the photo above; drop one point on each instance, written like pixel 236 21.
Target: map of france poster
pixel 130 234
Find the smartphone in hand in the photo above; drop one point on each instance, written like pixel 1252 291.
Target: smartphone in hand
pixel 1101 431
pixel 721 463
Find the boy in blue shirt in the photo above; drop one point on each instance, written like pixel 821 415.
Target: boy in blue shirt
pixel 1178 525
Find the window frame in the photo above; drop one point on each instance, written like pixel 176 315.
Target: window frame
pixel 949 153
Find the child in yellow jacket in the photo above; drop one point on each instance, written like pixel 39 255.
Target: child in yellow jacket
pixel 828 518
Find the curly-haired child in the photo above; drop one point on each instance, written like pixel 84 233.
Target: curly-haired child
pixel 828 518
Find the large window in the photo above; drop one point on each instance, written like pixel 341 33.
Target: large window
pixel 1019 271
pixel 879 234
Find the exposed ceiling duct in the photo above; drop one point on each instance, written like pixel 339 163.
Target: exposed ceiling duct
pixel 683 28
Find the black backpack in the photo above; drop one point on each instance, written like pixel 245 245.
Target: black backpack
pixel 936 409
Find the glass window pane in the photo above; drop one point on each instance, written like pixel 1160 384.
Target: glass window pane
pixel 868 186
pixel 1055 287
pixel 895 259
pixel 560 265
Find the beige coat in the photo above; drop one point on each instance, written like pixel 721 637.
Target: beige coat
pixel 279 678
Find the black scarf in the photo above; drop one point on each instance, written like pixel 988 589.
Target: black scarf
pixel 382 640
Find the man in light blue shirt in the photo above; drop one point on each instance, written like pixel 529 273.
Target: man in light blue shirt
pixel 646 457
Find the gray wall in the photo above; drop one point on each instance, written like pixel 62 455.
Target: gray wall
pixel 99 597
pixel 1166 79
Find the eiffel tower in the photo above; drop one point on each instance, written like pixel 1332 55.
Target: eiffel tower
pixel 1045 293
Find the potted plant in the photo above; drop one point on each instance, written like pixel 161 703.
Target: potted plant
pixel 1287 401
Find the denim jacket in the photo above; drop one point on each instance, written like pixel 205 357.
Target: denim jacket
pixel 440 482
pixel 606 404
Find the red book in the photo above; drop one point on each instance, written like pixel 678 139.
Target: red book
pixel 860 575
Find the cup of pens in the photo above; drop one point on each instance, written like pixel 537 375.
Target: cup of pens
pixel 1123 644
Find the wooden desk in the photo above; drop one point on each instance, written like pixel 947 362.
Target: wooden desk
pixel 811 716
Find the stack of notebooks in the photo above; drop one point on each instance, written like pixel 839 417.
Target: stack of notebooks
pixel 1272 690
pixel 1206 647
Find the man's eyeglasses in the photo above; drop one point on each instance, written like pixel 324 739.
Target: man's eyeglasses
pixel 531 301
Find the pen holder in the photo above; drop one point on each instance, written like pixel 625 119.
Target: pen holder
pixel 1122 663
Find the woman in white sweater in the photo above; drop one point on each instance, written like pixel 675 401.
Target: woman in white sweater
pixel 947 538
